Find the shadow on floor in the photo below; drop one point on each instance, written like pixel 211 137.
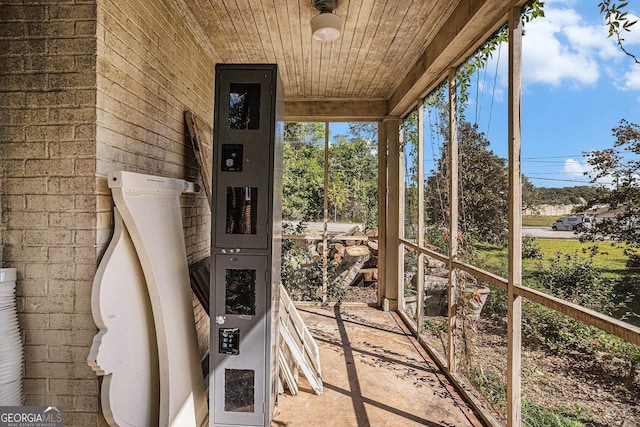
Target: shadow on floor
pixel 373 376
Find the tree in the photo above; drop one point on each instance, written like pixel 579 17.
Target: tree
pixel 483 187
pixel 618 22
pixel 303 174
pixel 562 195
pixel 353 174
pixel 353 180
pixel 621 164
pixel 483 179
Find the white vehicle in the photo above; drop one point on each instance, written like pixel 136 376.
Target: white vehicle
pixel 570 222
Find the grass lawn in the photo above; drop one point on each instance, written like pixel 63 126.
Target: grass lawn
pixel 539 220
pixel 609 259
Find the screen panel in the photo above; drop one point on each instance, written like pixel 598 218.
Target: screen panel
pixel 244 106
pixel 239 390
pixel 240 292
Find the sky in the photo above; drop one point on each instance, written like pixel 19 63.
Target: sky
pixel 577 86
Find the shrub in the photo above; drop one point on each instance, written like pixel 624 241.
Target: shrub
pixel 301 276
pixel 576 279
pixel 496 304
pixel 531 248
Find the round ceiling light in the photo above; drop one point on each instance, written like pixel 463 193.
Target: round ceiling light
pixel 326 27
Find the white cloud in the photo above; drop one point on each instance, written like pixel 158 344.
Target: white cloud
pixel 632 79
pixel 563 49
pixel 575 168
pixel 633 37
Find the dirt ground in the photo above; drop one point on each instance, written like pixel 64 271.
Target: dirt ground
pixel 591 386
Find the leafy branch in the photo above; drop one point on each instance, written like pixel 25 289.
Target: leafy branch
pixel 618 22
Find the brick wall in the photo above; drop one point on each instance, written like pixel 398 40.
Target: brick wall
pixel 150 69
pixel 87 87
pixel 47 133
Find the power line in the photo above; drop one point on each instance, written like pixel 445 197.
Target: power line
pixel 562 180
pixel 545 162
pixel 566 156
pixel 552 173
pixel 554 157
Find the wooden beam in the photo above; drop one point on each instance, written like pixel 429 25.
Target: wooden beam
pixel 420 237
pixel 334 110
pixel 514 301
pixel 382 211
pixel 468 26
pixel 601 321
pixel 393 280
pixel 453 219
pixel 325 223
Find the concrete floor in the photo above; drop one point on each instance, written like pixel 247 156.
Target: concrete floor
pixel 374 374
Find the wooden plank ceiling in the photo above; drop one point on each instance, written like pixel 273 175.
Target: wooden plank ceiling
pixel 381 42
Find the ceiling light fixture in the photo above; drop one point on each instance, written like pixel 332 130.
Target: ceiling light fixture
pixel 326 26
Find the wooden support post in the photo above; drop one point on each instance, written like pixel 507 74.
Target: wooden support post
pixel 325 260
pixel 382 211
pixel 393 282
pixel 420 237
pixel 453 218
pixel 514 309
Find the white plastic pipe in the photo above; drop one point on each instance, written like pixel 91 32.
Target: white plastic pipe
pixel 11 349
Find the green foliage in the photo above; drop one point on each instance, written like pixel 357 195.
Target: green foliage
pixel 299 275
pixel 532 10
pixel 436 237
pixel 483 175
pixel 492 387
pixel 483 184
pixel 575 279
pixel 307 132
pixel 353 180
pixel 579 275
pixel 569 195
pixel 618 22
pixel 531 248
pixel 634 260
pixel 409 149
pixel 534 415
pixel 621 164
pixel 438 329
pixel 303 175
pixel 353 174
pixel 617 347
pixel 302 277
pixel 496 304
pixel 555 331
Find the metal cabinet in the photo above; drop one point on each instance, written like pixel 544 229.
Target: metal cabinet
pixel 245 241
